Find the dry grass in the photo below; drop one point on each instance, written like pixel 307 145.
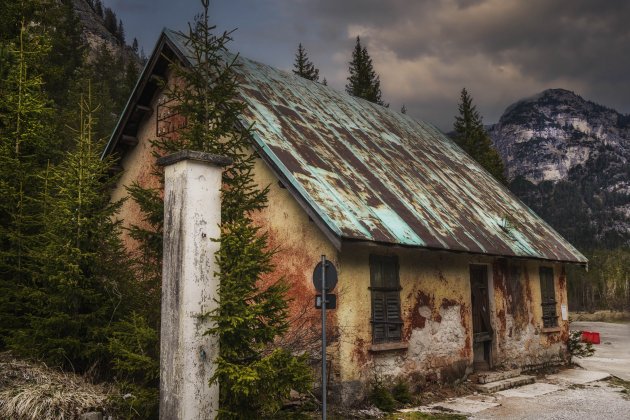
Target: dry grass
pixel 602 316
pixel 30 391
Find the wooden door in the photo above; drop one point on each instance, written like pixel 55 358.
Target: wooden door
pixel 482 328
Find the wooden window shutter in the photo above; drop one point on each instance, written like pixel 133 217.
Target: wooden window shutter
pixel 393 316
pixel 378 317
pixel 385 291
pixel 548 297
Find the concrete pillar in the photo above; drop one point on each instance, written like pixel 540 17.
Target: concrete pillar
pixel 192 214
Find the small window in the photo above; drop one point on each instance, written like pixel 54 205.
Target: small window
pixel 548 293
pixel 385 290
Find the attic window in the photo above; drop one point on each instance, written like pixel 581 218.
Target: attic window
pixel 548 295
pixel 385 291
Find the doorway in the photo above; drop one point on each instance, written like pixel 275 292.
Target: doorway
pixel 482 329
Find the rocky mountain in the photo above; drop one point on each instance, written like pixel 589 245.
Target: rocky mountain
pixel 569 159
pixel 96 33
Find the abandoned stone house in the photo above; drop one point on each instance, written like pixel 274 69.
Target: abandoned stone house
pixel 441 269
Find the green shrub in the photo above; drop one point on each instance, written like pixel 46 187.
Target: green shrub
pixel 381 397
pixel 401 392
pixel 577 348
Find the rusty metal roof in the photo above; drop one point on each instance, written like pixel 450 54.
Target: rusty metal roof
pixel 373 174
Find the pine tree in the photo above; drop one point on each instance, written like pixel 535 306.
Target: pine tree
pixel 254 376
pixel 79 275
pixel 110 21
pixel 112 83
pixel 66 56
pixel 363 81
pixel 98 8
pixel 403 109
pixel 26 143
pixel 473 138
pixel 120 32
pixel 304 67
pixel 134 45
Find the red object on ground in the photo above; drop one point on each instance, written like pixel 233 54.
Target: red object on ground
pixel 590 337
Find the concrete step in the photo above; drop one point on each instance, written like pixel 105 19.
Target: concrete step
pixel 506 384
pixel 494 376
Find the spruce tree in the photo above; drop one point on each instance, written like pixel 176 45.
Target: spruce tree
pixel 303 66
pixel 26 143
pixel 98 8
pixel 110 21
pixel 471 136
pixel 113 80
pixel 79 273
pixel 363 81
pixel 120 32
pixel 66 57
pixel 254 375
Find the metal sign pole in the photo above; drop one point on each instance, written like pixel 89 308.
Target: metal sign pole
pixel 323 337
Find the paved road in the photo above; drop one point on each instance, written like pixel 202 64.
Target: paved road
pixel 613 354
pixel 595 400
pixel 570 394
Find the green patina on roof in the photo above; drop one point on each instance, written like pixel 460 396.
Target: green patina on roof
pixel 373 174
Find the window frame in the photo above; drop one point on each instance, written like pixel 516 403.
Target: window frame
pixel 389 297
pixel 548 301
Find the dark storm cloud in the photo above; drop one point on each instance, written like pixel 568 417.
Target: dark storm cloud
pixel 427 50
pixel 502 49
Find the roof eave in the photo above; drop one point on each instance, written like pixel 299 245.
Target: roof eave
pixel 141 84
pixel 369 243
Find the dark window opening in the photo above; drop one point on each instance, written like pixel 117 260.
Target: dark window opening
pixel 548 294
pixel 385 290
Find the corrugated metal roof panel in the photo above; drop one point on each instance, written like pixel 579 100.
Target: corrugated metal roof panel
pixel 374 174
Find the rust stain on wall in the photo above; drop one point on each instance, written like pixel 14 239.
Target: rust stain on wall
pixel 562 281
pixel 447 303
pixel 502 322
pixel 499 270
pixel 464 311
pixel 359 353
pixel 529 294
pixel 415 318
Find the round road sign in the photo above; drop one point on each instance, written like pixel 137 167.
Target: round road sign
pixel 331 276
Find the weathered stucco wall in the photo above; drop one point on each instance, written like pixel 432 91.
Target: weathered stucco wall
pixel 435 307
pixel 521 340
pixel 436 311
pixel 299 244
pixel 138 166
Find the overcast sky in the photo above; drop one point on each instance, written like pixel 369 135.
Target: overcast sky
pixel 425 51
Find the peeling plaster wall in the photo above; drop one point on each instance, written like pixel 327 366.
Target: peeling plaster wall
pixel 299 244
pixel 521 340
pixel 435 307
pixel 437 330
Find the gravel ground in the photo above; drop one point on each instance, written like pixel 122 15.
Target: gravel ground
pixel 596 400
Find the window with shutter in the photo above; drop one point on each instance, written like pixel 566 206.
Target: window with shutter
pixel 385 290
pixel 548 295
